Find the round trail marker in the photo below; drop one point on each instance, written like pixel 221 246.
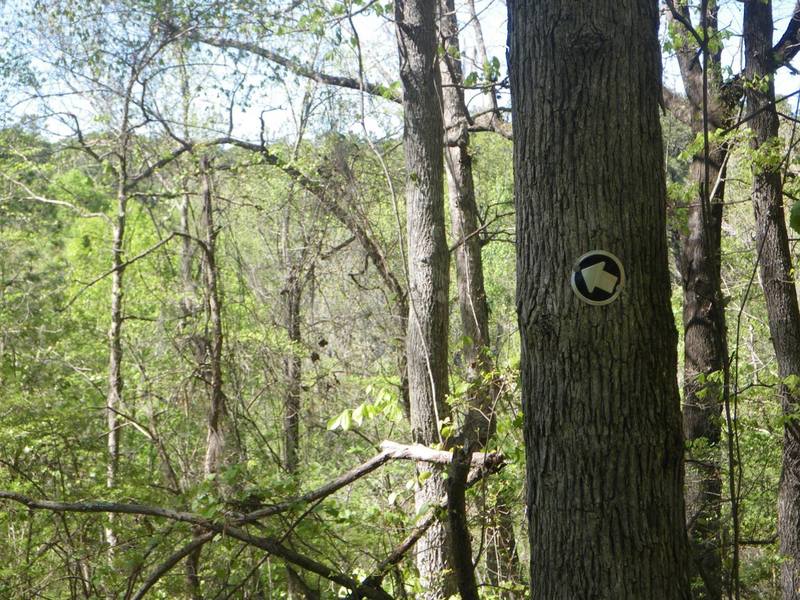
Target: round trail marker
pixel 598 277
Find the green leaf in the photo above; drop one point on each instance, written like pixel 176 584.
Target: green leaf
pixel 794 217
pixel 346 420
pixel 358 415
pixel 424 507
pixel 792 382
pixel 343 421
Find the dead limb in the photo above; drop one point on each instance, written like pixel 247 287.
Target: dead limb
pixel 173 560
pixel 481 463
pixel 396 555
pixel 390 451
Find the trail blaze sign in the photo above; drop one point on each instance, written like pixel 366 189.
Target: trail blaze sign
pixel 598 277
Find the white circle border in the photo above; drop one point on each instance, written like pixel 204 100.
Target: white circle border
pixel 621 284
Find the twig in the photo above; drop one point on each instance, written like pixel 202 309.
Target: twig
pixel 120 267
pixel 173 559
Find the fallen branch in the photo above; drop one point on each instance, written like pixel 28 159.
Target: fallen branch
pixel 268 544
pixel 481 463
pixel 422 453
pixel 396 555
pixel 389 451
pixel 145 510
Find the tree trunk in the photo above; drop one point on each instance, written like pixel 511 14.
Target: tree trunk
pixel 602 416
pixel 188 307
pixel 775 267
pixel 705 333
pixel 428 267
pixel 215 441
pixel 705 350
pixel 292 293
pixel 472 303
pixel 458 525
pixel 189 296
pixel 114 394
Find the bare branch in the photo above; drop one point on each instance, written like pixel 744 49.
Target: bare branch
pixel 369 588
pixel 327 198
pixel 100 506
pixel 374 89
pixel 164 161
pixel 789 44
pixel 119 267
pixel 268 544
pixel 38 198
pixel 399 551
pixel 390 451
pixel 418 452
pixel 173 560
pixel 491 121
pixel 683 18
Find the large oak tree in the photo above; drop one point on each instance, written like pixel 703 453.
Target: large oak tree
pixel 602 415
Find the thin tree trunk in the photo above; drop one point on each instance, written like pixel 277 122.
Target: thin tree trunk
pixel 292 365
pixel 458 525
pixel 502 558
pixel 602 415
pixel 187 248
pixel 777 278
pixel 472 304
pixel 705 332
pixel 472 301
pixel 215 442
pixel 188 304
pixel 115 381
pixel 209 356
pixel 292 293
pixel 705 350
pixel 428 267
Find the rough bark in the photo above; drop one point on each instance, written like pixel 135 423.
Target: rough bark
pixel 472 302
pixel 428 266
pixel 776 275
pixel 458 525
pixel 705 334
pixel 602 416
pixel 705 352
